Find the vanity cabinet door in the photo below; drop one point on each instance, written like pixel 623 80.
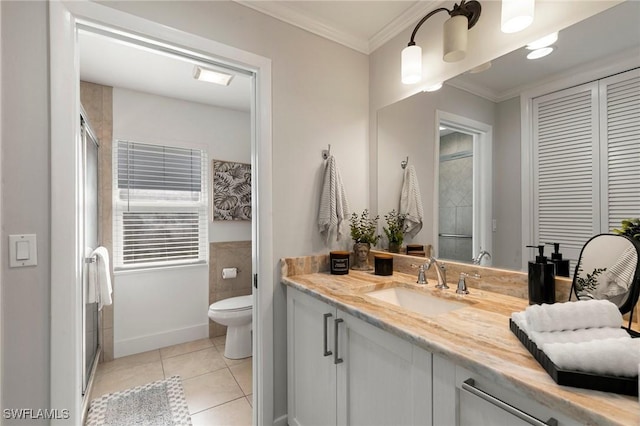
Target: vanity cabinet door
pixel 311 370
pixel 382 379
pixel 463 398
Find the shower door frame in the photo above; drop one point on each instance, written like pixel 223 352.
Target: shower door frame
pixel 88 136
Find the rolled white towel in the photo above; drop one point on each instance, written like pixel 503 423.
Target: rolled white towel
pixel 615 357
pixel 541 338
pixel 521 321
pixel 573 315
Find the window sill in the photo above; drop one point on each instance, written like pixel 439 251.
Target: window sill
pixel 143 270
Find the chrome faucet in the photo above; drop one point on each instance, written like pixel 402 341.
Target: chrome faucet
pixel 462 285
pixel 476 260
pixel 441 272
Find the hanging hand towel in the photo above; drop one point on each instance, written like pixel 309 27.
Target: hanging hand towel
pixel 334 207
pixel 620 276
pixel 411 202
pixel 101 270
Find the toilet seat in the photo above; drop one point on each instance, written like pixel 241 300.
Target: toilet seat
pixel 233 304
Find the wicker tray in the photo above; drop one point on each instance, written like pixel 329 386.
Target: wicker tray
pixel 578 379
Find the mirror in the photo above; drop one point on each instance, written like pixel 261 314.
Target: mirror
pixel 608 268
pixel 475 102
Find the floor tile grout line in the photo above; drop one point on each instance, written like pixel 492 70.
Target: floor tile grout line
pixel 218 405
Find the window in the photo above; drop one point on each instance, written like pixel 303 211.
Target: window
pixel 160 205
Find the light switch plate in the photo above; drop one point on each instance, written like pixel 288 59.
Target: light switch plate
pixel 23 250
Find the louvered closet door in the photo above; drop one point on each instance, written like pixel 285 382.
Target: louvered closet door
pixel 566 172
pixel 620 134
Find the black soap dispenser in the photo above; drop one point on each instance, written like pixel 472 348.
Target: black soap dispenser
pixel 562 265
pixel 542 280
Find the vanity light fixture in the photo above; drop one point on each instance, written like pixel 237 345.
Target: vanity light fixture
pixel 211 76
pixel 462 18
pixel 516 15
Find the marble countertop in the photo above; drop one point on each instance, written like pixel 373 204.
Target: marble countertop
pixel 476 337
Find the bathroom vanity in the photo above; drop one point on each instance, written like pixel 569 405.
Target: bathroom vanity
pixel 360 353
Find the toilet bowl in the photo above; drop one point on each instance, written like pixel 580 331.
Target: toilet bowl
pixel 236 313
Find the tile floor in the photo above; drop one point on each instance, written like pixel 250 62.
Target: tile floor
pixel 218 390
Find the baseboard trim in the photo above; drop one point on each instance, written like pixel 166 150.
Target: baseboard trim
pixel 159 340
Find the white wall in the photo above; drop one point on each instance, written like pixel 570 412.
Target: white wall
pixel 164 307
pixel 25 204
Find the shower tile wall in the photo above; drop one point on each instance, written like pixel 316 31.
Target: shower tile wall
pixel 232 254
pixel 97 101
pixel 456 197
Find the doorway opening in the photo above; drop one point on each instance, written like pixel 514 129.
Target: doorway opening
pixel 463 196
pixel 66 19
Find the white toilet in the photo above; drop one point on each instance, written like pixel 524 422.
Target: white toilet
pixel 236 313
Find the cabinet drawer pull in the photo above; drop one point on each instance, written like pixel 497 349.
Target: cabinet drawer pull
pixel 326 352
pixel 337 321
pixel 469 386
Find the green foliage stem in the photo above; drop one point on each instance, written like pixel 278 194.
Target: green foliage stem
pixel 363 228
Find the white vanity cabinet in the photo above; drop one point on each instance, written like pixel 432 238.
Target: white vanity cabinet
pixel 463 398
pixel 344 371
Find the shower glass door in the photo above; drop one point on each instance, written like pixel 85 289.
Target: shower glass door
pixel 89 192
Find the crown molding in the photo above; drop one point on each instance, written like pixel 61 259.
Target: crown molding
pixel 407 19
pixel 285 13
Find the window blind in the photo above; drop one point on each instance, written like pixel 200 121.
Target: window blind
pixel 620 99
pixel 160 205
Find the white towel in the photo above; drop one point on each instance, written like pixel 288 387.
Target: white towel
pixel 101 271
pixel 334 207
pixel 411 202
pixel 573 315
pixel 540 338
pixel 566 336
pixel 620 275
pixel 615 357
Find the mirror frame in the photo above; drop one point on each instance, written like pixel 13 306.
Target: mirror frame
pixel 634 292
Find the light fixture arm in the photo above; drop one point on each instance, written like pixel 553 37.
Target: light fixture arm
pixel 471 10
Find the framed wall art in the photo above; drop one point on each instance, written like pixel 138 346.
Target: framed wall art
pixel 231 190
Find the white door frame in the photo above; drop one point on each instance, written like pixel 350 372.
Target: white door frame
pixel 66 333
pixel 482 178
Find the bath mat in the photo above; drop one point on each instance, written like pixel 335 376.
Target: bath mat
pixel 160 403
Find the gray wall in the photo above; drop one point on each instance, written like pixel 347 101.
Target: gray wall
pixel 25 203
pixel 507 206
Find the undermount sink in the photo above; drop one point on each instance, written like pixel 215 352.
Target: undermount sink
pixel 416 301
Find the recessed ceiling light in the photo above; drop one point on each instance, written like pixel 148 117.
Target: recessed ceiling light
pixel 545 41
pixel 539 53
pixel 211 76
pixel 442 128
pixel 433 88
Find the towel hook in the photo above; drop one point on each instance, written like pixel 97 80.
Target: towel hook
pixel 326 153
pixel 404 163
